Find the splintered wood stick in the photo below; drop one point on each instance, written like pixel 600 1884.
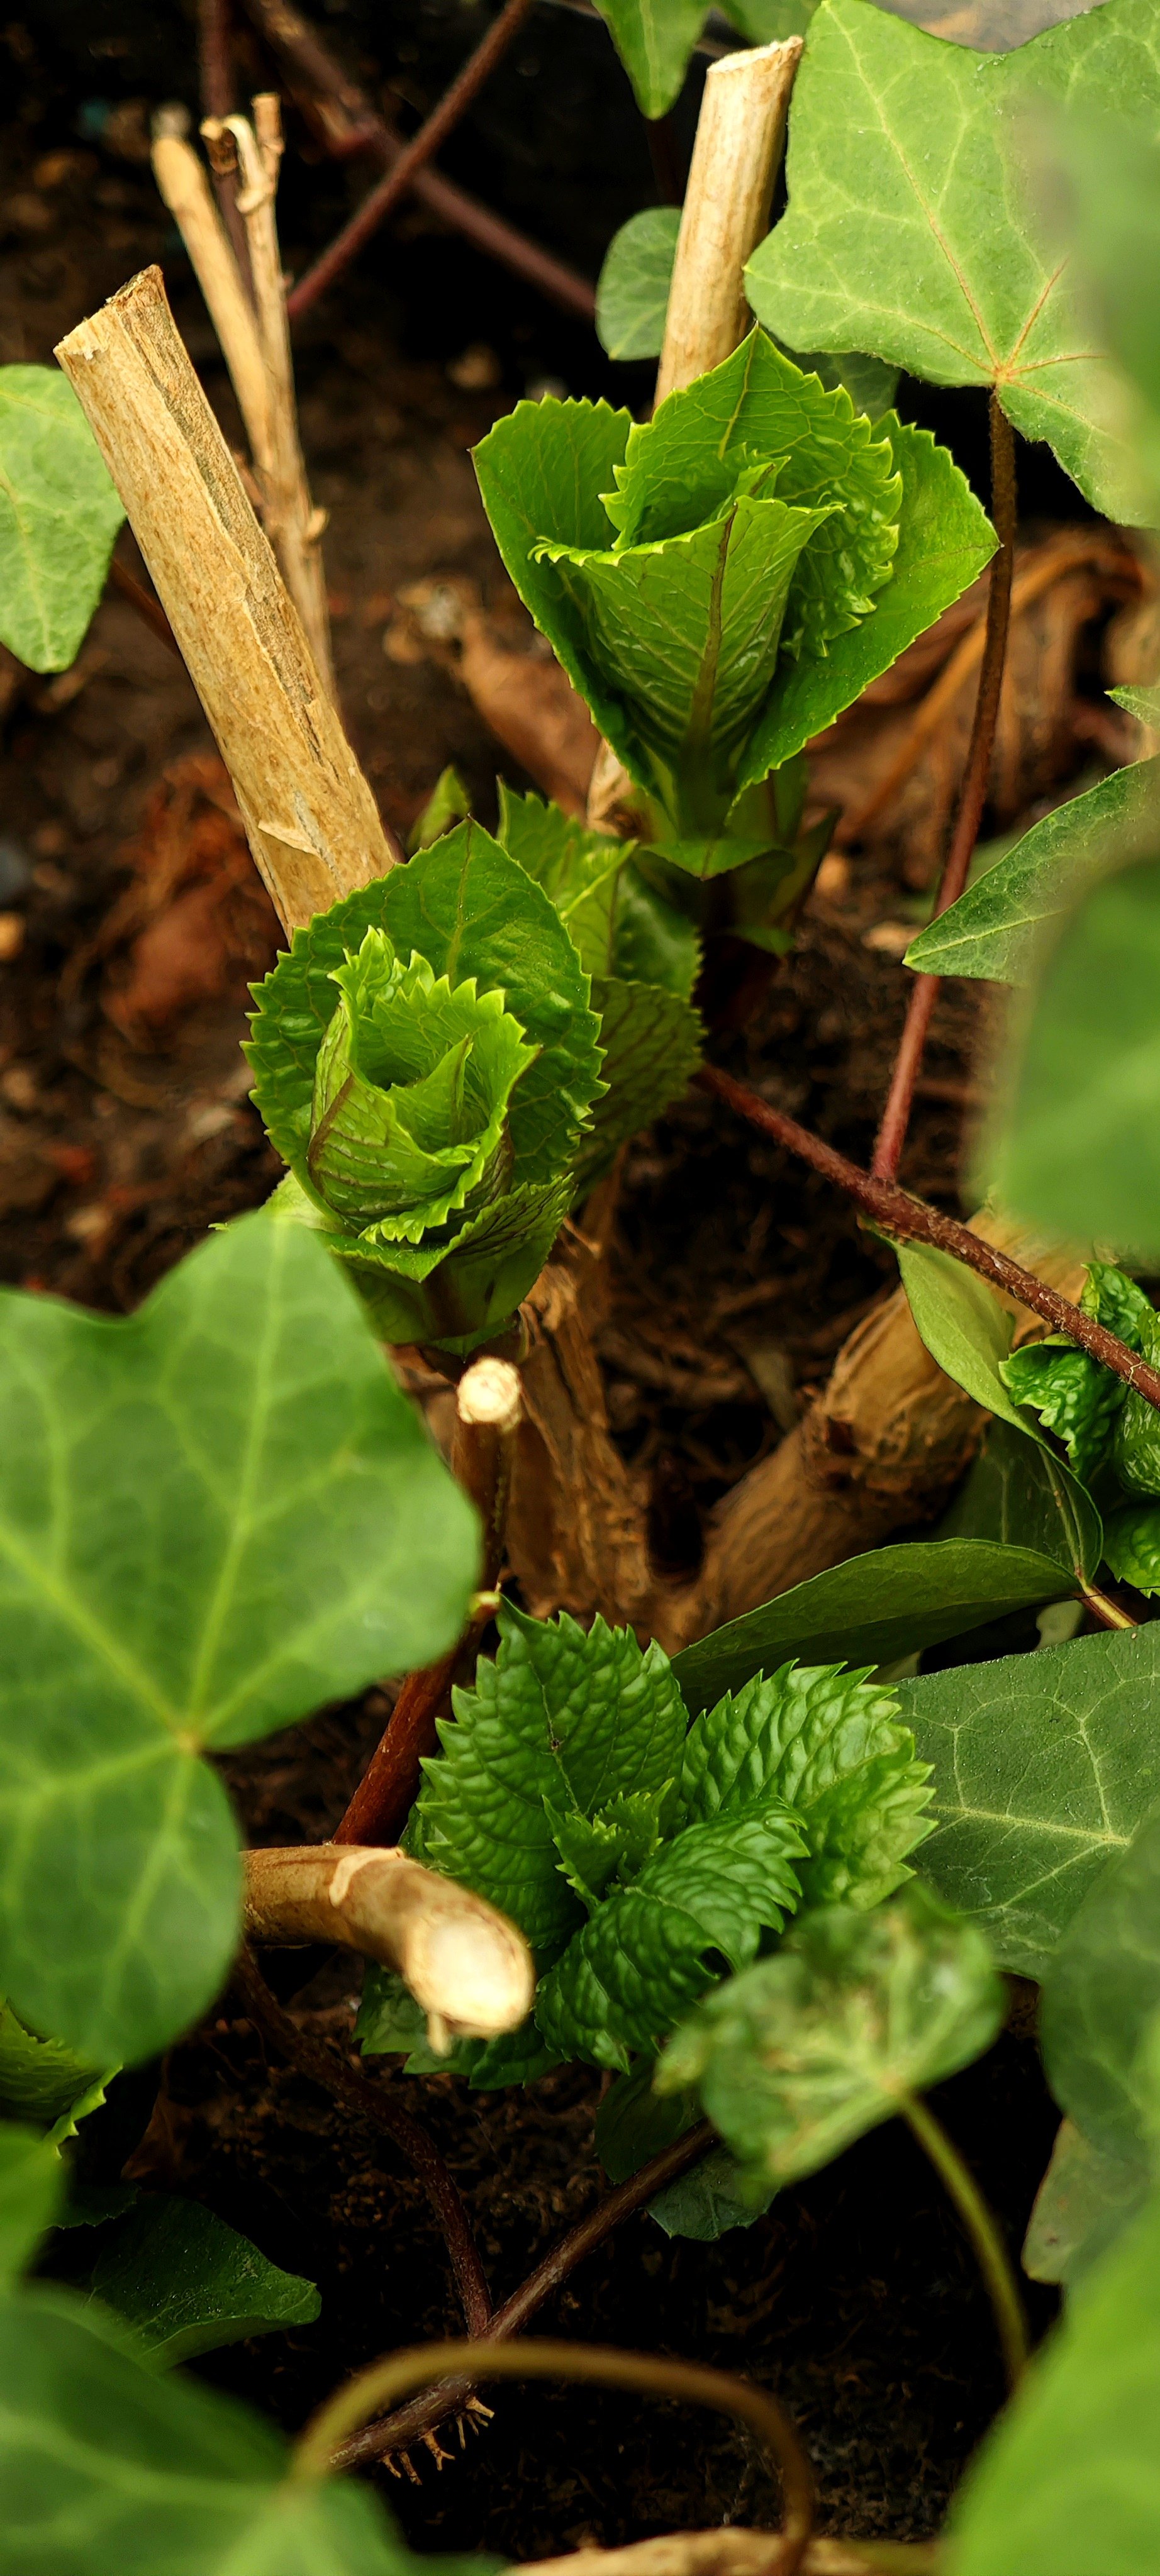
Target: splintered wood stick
pixel 740 134
pixel 310 817
pixel 465 1963
pixel 184 187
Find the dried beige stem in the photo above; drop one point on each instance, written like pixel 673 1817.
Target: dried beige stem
pixel 310 816
pixel 740 133
pixel 731 2551
pixel 184 187
pixel 469 1968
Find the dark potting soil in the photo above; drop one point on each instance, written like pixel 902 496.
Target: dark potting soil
pixel 738 1275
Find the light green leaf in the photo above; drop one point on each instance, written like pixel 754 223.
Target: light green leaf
pixel 1044 1766
pixel 109 2469
pixel 1013 1497
pixel 654 39
pixel 1079 1149
pixel 622 924
pixel 563 1719
pixel 922 241
pixel 1070 2478
pixel 1143 703
pixel 632 290
pixel 42 2081
pixel 969 1333
pixel 215 1515
pixel 997 928
pixel 1105 196
pixel 1085 2200
pixel 31 2190
pixel 649 1950
pixel 873 1609
pixel 187 2283
pixel 449 803
pixel 59 515
pixel 827 1744
pixel 1100 1996
pixel 811 2048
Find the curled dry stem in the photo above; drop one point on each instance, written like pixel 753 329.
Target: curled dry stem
pixel 464 1962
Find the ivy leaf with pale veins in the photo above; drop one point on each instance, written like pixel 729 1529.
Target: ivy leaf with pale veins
pixel 996 929
pixel 562 1719
pixel 59 514
pixel 812 2047
pixel 1044 1766
pixel 827 1744
pixel 922 241
pixel 648 1951
pixel 632 291
pixel 1100 1996
pixel 1085 2200
pixel 189 2284
pixel 215 1515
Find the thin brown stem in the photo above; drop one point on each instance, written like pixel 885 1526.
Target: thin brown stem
pixel 371 2102
pixel 219 98
pixel 148 607
pixel 347 124
pixel 911 1220
pixel 976 780
pixel 422 148
pixel 423 2414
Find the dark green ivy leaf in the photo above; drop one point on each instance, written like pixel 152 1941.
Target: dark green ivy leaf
pixel 996 929
pixel 188 2284
pixel 59 515
pixel 1101 1995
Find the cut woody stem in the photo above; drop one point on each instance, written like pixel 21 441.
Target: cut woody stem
pixel 464 1962
pixel 488 1412
pixel 218 98
pixel 896 1115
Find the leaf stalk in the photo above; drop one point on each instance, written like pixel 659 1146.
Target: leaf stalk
pixel 982 2227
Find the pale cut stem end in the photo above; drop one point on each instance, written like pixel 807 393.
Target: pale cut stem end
pixel 740 134
pixel 465 1963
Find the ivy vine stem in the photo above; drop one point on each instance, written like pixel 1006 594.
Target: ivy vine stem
pixel 896 1115
pixel 983 2229
pixel 912 1220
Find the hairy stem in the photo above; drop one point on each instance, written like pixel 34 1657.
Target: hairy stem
pixel 993 2259
pixel 393 2432
pixel 371 2102
pixel 896 1115
pixel 911 1220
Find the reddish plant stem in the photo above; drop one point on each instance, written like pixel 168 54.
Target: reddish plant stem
pixel 911 1220
pixel 219 98
pixel 423 2414
pixel 976 779
pixel 347 124
pixel 148 607
pixel 371 2102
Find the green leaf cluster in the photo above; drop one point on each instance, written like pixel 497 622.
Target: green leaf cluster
pixel 426 1061
pixel 721 581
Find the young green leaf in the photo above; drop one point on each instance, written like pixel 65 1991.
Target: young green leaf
pixel 873 1609
pixel 827 1744
pixel 448 804
pixel 997 928
pixel 1132 1546
pixel 632 290
pixel 1079 1149
pixel 215 1514
pixel 933 256
pixel 622 924
pixel 652 1948
pixel 1070 2478
pixel 1079 1399
pixel 188 2284
pixel 652 1044
pixel 563 1719
pixel 1044 1766
pixel 1085 2200
pixel 1100 1996
pixel 59 515
pixel 811 2048
pixel 31 2190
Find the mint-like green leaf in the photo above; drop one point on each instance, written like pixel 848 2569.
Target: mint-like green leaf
pixel 188 2284
pixel 648 1951
pixel 31 2191
pixel 215 1515
pixel 996 929
pixel 925 246
pixel 809 2049
pixel 562 1719
pixel 613 1844
pixel 632 290
pixel 59 515
pixel 1132 1546
pixel 1085 2200
pixel 826 1743
pixel 1100 1996
pixel 1074 1395
pixel 873 1609
pixel 1044 1766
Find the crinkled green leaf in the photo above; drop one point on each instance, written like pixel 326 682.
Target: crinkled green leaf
pixel 110 2469
pixel 1132 1546
pixel 632 290
pixel 826 1743
pixel 622 924
pixel 215 1514
pixel 1044 1766
pixel 1075 1396
pixel 1085 2200
pixel 390 2022
pixel 456 1290
pixel 613 1844
pixel 997 928
pixel 59 515
pixel 873 1609
pixel 809 2049
pixel 652 1948
pixel 562 1719
pixel 188 2284
pixel 31 2190
pixel 1101 1994
pixel 969 1333
pixel 923 242
pixel 1070 2477
pixel 652 1044
pixel 1079 1147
